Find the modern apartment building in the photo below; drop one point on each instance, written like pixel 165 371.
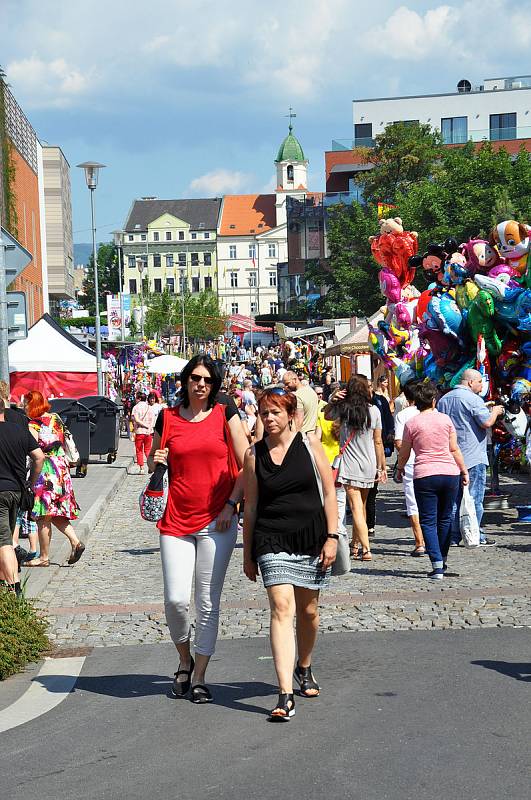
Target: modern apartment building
pixel 58 212
pixel 498 110
pixel 22 202
pixel 174 244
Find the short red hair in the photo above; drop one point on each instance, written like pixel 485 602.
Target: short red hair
pixel 35 404
pixel 279 398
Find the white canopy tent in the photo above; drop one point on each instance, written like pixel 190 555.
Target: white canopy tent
pixel 166 365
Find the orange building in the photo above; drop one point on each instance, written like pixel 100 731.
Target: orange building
pixel 23 151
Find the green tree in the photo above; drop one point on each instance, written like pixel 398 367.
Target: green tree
pixel 163 314
pixel 402 155
pixel 108 277
pixel 203 315
pixel 351 276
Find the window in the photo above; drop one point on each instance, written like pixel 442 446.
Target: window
pixel 208 283
pixel 254 307
pixel 183 283
pixel 157 284
pixel 273 308
pixel 131 238
pixel 290 172
pixel 233 280
pixel 272 278
pixel 131 262
pixel 193 235
pixel 195 259
pixel 132 285
pixel 363 134
pixel 182 259
pixel 195 284
pixel 234 308
pixel 170 285
pixel 252 280
pixel 207 235
pixel 272 250
pixel 454 130
pixel 168 236
pixel 181 235
pixel 207 259
pixel 252 251
pixel 143 237
pixel 169 260
pixel 232 251
pixel 502 126
pixel 156 236
pixel 156 260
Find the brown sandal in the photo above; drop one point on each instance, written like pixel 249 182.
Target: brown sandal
pixel 354 550
pixel 366 555
pixel 77 552
pixel 32 564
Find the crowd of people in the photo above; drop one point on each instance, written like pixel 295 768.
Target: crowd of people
pixel 36 489
pixel 292 455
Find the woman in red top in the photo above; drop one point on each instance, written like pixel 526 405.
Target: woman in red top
pixel 205 445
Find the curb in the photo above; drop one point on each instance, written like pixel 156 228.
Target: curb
pixel 38 579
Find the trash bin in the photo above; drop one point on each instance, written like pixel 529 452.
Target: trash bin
pixel 105 436
pixel 78 419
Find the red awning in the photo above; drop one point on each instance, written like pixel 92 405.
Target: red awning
pixel 239 324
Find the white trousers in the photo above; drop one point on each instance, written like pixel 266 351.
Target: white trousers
pixel 204 557
pixel 409 491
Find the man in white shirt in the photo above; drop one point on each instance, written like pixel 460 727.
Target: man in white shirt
pixel 401 418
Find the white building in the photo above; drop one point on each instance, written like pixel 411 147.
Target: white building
pixel 252 237
pixel 499 110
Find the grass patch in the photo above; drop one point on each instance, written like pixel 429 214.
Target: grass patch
pixel 22 634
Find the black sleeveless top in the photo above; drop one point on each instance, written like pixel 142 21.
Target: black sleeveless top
pixel 290 517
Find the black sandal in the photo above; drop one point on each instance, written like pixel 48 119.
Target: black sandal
pixel 181 688
pixel 76 554
pixel 306 681
pixel 200 694
pixel 282 706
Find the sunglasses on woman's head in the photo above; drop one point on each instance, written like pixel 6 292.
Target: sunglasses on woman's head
pixel 196 378
pixel 276 390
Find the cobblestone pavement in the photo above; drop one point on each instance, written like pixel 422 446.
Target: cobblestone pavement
pixel 113 596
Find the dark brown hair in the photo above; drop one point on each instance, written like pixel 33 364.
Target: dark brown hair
pixel 425 394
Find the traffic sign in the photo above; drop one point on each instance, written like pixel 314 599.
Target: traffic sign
pixel 17 323
pixel 17 257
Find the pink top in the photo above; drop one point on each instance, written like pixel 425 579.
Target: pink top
pixel 429 436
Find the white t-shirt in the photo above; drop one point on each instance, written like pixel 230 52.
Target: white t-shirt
pixel 400 420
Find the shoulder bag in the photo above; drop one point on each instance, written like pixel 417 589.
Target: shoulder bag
pixel 337 459
pixel 154 497
pixel 342 563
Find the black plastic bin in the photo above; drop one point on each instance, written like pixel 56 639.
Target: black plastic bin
pixel 78 419
pixel 105 435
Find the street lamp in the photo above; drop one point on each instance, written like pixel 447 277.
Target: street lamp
pixel 140 267
pixel 92 169
pixel 250 312
pixel 118 241
pixel 182 278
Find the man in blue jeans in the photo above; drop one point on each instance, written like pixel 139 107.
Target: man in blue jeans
pixel 472 418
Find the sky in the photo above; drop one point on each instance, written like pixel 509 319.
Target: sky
pixel 188 98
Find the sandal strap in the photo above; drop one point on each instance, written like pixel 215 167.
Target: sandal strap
pixel 186 671
pixel 306 678
pixel 282 704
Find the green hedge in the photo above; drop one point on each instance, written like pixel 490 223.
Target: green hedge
pixel 22 634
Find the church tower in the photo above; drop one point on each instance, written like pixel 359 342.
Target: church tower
pixel 292 172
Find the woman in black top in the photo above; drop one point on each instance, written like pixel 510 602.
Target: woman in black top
pixel 290 537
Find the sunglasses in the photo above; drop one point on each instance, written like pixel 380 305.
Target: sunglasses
pixel 276 390
pixel 196 378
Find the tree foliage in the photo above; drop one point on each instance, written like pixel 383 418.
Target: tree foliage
pixel 202 315
pixel 108 277
pixel 351 277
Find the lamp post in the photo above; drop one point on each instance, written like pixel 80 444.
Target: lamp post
pixel 118 241
pixel 140 268
pixel 182 278
pixel 250 313
pixel 92 169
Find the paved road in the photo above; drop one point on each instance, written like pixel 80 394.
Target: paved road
pixel 113 595
pixel 403 715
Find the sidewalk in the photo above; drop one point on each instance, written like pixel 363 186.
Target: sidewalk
pixel 93 493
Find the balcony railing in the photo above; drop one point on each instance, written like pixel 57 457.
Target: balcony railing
pixel 333 198
pixel 349 144
pixel 459 137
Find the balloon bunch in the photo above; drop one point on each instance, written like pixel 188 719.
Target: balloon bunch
pixel 476 311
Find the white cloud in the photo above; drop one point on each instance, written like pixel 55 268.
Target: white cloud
pixel 408 36
pixel 220 181
pixel 49 83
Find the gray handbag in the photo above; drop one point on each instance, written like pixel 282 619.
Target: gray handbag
pixel 342 563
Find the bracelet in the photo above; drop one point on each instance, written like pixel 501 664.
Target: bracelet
pixel 333 536
pixel 231 503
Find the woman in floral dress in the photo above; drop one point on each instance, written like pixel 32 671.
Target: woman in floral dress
pixel 55 502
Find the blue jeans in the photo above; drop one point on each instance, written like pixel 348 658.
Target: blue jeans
pixel 478 481
pixel 435 496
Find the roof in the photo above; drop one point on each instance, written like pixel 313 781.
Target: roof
pixel 290 149
pixel 357 340
pixel 285 332
pixel 200 213
pixel 244 214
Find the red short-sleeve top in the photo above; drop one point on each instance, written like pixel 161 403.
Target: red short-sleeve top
pixel 200 477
